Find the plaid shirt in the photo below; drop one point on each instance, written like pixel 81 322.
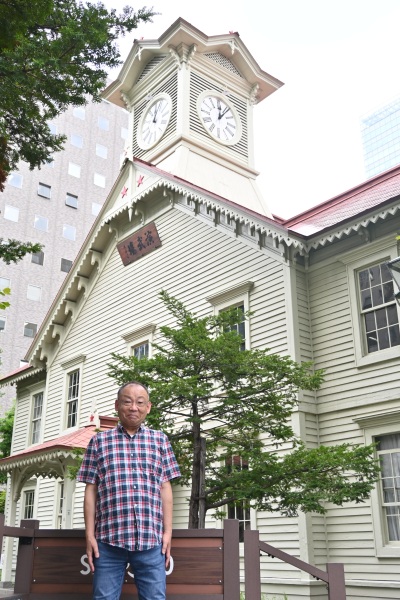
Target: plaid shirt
pixel 129 471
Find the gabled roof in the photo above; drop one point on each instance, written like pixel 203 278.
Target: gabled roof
pixel 63 445
pixel 182 33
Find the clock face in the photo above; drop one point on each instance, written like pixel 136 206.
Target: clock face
pixel 154 121
pixel 219 118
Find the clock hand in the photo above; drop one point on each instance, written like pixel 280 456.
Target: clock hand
pixel 226 110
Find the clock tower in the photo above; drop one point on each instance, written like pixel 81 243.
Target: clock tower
pixel 191 99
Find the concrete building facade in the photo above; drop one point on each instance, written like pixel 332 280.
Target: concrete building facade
pixel 56 206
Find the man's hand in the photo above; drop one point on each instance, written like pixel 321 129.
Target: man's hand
pixel 92 551
pixel 166 547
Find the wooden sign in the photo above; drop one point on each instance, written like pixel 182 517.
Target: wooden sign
pixel 139 244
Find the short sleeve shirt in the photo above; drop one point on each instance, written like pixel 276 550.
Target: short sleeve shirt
pixel 129 472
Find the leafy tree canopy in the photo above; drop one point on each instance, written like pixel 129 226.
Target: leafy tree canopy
pixel 217 402
pixel 13 251
pixel 6 432
pixel 53 54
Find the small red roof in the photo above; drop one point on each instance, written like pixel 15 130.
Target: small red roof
pixel 76 439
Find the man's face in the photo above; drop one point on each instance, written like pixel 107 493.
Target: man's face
pixel 132 406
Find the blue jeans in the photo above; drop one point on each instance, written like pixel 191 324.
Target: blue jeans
pixel 148 567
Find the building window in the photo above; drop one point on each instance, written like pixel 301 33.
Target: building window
pixel 11 213
pixel 96 208
pixel 103 123
pixel 37 258
pixel 29 502
pixel 378 308
pixel 240 327
pixel 4 283
pixel 79 112
pixel 239 510
pixel 389 458
pixel 30 329
pixel 71 200
pixel 74 170
pixel 34 293
pixel 69 232
pixel 41 223
pixel 44 190
pixel 37 417
pixel 124 133
pixel 60 504
pixel 73 397
pixel 66 265
pixel 15 179
pixel 237 296
pixel 99 180
pixel 2 323
pixel 76 140
pixel 141 350
pixel 101 150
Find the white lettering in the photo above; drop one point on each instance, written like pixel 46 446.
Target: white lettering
pixel 85 564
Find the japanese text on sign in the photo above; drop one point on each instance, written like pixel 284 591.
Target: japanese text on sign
pixel 139 243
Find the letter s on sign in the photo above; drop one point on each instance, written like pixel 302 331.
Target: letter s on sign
pixel 85 564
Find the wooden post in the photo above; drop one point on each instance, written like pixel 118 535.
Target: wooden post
pixel 26 547
pixel 337 587
pixel 231 560
pixel 202 483
pixel 252 572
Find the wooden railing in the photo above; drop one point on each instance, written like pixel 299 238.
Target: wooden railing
pixel 52 564
pixel 333 576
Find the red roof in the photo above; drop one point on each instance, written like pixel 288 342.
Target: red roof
pixel 76 439
pixel 355 202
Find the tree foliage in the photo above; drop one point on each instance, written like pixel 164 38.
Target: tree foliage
pixel 6 432
pixel 14 251
pixel 53 54
pixel 204 387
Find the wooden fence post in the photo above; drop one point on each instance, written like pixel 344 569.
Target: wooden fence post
pixel 336 587
pixel 231 560
pixel 23 574
pixel 252 571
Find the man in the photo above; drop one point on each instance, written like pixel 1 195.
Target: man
pixel 128 501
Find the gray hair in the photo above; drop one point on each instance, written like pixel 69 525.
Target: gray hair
pixel 121 389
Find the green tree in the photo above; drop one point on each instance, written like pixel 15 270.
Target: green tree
pixel 216 401
pixel 6 432
pixel 53 54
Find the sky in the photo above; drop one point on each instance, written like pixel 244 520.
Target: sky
pixel 338 60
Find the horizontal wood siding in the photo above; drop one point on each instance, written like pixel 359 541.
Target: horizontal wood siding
pixel 348 392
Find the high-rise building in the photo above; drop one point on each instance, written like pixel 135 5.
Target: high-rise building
pixel 56 206
pixel 381 138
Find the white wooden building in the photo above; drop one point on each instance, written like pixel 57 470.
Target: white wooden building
pixel 185 215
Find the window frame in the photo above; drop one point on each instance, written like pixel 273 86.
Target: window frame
pixel 36 422
pixel 8 208
pixel 361 355
pixel 67 227
pixel 72 366
pixel 44 220
pixel 3 319
pixel 42 187
pixel 36 287
pixel 29 323
pixel 232 297
pixel 31 505
pixel 374 425
pixel 40 256
pixel 140 336
pixel 71 200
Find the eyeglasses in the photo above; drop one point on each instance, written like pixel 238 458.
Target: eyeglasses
pixel 137 403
